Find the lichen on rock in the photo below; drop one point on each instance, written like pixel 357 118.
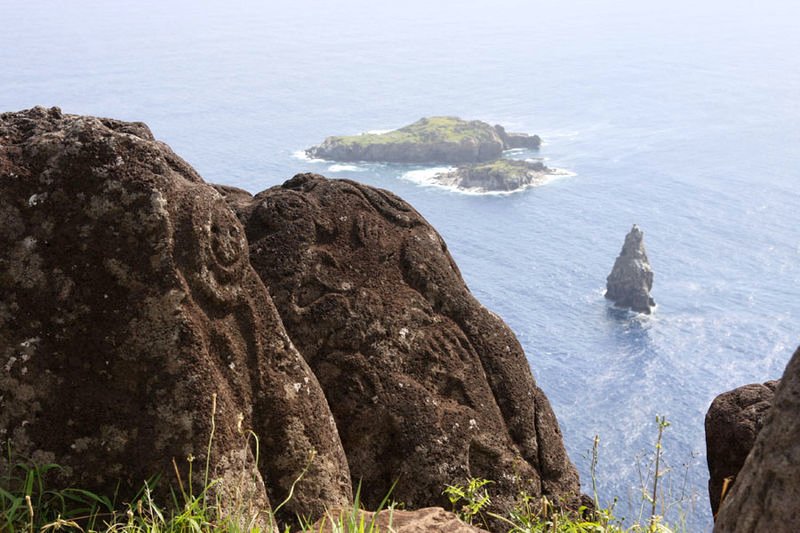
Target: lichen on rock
pixel 428 387
pixel 128 308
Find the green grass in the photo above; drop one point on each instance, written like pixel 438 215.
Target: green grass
pixel 424 131
pixel 28 504
pixel 538 515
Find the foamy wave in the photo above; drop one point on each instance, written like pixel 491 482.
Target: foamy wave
pixel 345 168
pixel 303 156
pixel 376 132
pixel 426 177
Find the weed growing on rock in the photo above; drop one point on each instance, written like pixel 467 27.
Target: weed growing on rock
pixel 28 504
pixel 469 500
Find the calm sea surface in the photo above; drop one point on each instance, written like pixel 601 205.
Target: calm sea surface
pixel 682 117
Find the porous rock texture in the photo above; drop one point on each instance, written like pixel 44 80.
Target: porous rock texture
pixel 732 424
pixel 427 386
pixel 127 302
pixel 767 490
pixel 631 279
pixel 427 520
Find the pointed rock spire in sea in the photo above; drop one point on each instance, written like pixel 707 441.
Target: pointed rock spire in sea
pixel 631 279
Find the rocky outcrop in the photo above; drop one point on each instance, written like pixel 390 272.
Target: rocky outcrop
pixel 435 140
pixel 128 309
pixel 631 279
pixel 518 140
pixel 732 424
pixel 502 175
pixel 427 520
pixel 428 387
pixel 767 489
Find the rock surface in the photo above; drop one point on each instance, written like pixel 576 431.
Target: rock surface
pixel 517 140
pixel 427 386
pixel 442 140
pixel 732 424
pixel 631 279
pixel 767 490
pixel 126 302
pixel 429 519
pixel 502 175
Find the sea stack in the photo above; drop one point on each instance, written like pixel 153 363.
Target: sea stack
pixel 631 279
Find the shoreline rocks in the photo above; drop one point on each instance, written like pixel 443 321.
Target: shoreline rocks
pixel 435 140
pixel 502 175
pixel 631 278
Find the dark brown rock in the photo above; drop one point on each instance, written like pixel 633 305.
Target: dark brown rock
pixel 127 302
pixel 732 425
pixel 427 520
pixel 766 494
pixel 427 386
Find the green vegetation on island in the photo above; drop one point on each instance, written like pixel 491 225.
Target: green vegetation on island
pixel 30 502
pixel 437 140
pixel 501 175
pixel 427 130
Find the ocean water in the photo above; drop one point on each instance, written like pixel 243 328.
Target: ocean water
pixel 682 117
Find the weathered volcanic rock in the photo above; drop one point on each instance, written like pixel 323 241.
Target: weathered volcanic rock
pixel 427 386
pixel 445 140
pixel 732 424
pixel 631 279
pixel 126 302
pixel 502 175
pixel 427 520
pixel 766 494
pixel 517 140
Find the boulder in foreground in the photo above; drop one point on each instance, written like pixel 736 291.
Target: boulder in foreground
pixel 732 424
pixel 427 386
pixel 127 304
pixel 766 493
pixel 435 140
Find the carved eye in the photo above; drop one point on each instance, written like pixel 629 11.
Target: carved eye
pixel 227 243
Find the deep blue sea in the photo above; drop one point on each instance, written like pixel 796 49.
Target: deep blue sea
pixel 680 116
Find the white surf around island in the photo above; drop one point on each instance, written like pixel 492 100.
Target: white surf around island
pixel 338 167
pixel 335 167
pixel 303 156
pixel 431 177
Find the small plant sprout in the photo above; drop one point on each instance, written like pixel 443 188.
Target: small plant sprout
pixel 469 500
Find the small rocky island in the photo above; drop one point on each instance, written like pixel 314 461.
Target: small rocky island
pixel 436 140
pixel 631 279
pixel 502 175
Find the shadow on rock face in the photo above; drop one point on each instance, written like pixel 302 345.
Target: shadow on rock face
pixel 127 302
pixel 732 424
pixel 427 386
pixel 766 492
